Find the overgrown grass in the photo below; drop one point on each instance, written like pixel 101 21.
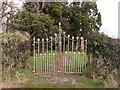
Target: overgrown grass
pixel 26 73
pixel 90 83
pixel 88 71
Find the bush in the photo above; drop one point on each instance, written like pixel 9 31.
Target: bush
pixel 105 54
pixel 15 51
pixel 87 72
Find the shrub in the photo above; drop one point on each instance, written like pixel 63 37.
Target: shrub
pixel 15 51
pixel 88 71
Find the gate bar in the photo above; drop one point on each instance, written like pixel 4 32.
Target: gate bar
pixel 34 52
pixel 72 52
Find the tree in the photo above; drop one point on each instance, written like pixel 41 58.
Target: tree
pixel 39 25
pixel 54 10
pixel 81 18
pixel 33 7
pixel 8 9
pixel 85 18
pixel 78 19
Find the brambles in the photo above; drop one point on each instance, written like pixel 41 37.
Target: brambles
pixel 15 51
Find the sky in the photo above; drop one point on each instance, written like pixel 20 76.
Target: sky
pixel 109 13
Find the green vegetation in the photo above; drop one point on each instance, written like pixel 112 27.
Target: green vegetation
pixel 77 63
pixel 73 80
pixel 90 83
pixel 60 81
pixel 105 54
pixel 15 53
pixel 41 21
pixel 35 24
pixel 72 61
pixel 88 71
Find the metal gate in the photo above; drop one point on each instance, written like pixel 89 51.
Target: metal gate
pixel 61 53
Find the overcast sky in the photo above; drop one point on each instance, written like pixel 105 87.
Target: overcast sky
pixel 109 12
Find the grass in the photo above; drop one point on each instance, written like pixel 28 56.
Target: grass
pixel 47 82
pixel 90 83
pixel 13 81
pixel 75 62
pixel 78 62
pixel 51 82
pixel 29 80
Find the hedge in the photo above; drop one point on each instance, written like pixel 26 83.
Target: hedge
pixel 15 51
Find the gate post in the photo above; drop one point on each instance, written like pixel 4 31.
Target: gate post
pixel 86 46
pixel 59 59
pixel 60 38
pixel 82 45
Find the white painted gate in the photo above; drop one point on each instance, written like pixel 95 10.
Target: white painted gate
pixel 61 53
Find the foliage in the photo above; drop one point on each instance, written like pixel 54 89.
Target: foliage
pixel 113 78
pixel 56 13
pixel 33 7
pixel 15 51
pixel 96 41
pixel 40 19
pixel 82 19
pixel 87 72
pixel 105 53
pixel 39 25
pixel 73 17
pixel 85 18
pixel 54 10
